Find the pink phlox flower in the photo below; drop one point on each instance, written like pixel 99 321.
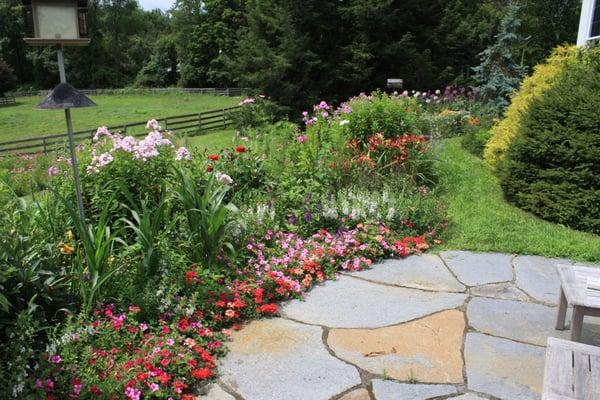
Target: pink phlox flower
pixel 53 171
pixel 153 124
pixel 223 178
pixel 102 131
pixel 246 101
pixel 183 153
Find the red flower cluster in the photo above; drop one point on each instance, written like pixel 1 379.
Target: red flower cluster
pixel 388 153
pixel 163 360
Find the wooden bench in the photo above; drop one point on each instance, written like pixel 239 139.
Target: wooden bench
pixel 572 371
pixel 574 291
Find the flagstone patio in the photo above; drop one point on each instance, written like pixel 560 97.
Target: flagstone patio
pixel 460 325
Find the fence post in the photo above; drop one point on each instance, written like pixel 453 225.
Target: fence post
pixel 166 124
pixel 227 91
pixel 199 123
pixel 125 128
pixel 45 148
pixel 223 115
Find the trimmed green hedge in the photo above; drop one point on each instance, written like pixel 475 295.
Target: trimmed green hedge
pixel 553 167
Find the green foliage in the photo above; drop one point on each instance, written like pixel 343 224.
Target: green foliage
pixel 381 114
pixel 93 255
pixel 552 168
pixel 161 68
pixel 498 74
pixel 148 224
pixel 8 80
pixel 256 112
pixel 544 75
pixel 208 215
pixel 474 140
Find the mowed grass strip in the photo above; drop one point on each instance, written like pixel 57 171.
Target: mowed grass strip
pixel 23 120
pixel 481 220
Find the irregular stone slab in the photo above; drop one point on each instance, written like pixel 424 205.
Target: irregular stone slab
pixel 215 392
pixel 358 394
pixel 388 390
pixel 428 349
pixel 525 322
pixel 479 268
pixel 280 359
pixel 505 291
pixel 503 368
pixel 469 396
pixel 354 303
pixel 421 272
pixel 537 277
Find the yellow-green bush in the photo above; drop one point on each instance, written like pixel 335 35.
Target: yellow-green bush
pixel 503 133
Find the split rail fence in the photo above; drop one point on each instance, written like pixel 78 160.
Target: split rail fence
pixel 191 124
pixel 92 92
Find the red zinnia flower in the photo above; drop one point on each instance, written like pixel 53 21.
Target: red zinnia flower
pixel 209 168
pixel 240 149
pixel 213 157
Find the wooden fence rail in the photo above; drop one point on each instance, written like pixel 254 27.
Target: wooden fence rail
pixel 191 124
pixel 91 92
pixel 7 100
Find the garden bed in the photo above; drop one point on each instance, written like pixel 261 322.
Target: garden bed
pixel 180 246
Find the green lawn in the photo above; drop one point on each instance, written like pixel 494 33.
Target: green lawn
pixel 23 120
pixel 481 220
pixel 213 141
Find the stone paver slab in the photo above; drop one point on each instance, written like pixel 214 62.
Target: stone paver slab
pixel 525 322
pixel 537 277
pixel 427 349
pixel 504 368
pixel 421 272
pixel 216 392
pixel 474 269
pixel 355 303
pixel 469 396
pixel 388 390
pixel 281 359
pixel 505 291
pixel 357 394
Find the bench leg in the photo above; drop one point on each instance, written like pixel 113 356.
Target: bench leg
pixel 562 311
pixel 576 323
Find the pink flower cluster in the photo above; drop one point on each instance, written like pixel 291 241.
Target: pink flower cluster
pixel 142 150
pixel 249 100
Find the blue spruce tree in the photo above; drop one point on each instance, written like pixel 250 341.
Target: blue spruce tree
pixel 499 75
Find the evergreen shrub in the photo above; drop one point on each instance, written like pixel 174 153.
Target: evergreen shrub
pixel 552 168
pixel 534 86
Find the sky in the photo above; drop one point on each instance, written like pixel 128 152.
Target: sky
pixel 152 4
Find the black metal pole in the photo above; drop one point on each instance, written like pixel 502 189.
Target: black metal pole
pixel 63 79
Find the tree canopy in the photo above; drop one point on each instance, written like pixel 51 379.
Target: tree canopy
pixel 291 50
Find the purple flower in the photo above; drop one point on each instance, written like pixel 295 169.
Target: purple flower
pixel 55 359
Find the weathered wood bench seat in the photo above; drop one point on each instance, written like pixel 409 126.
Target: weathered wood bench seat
pixel 574 291
pixel 572 371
